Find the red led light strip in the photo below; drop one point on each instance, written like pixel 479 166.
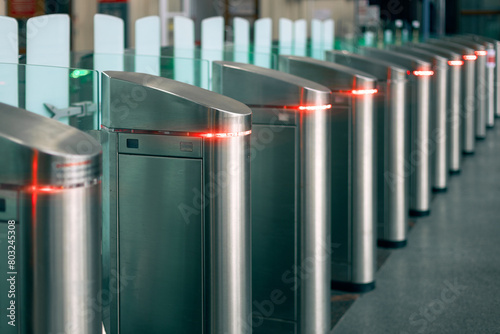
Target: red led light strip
pixel 423 73
pixel 481 53
pixel 181 134
pixel 364 91
pixel 300 108
pixel 314 108
pixel 470 57
pixel 455 62
pixel 43 189
pixel 225 134
pixel 34 198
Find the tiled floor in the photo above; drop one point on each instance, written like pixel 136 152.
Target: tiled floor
pixel 447 280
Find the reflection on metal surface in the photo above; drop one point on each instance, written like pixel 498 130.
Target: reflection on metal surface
pixel 392 142
pixel 290 196
pixel 421 148
pixel 438 127
pixel 483 83
pixel 177 207
pixel 353 180
pixel 467 103
pixel 51 188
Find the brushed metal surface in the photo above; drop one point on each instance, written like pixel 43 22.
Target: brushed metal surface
pixel 420 148
pixel 228 208
pixel 66 259
pixel 468 112
pixel 363 190
pixel 453 118
pixel 439 109
pixel 357 159
pixel 391 115
pixel 480 85
pixel 396 139
pixel 222 200
pixel 66 156
pixel 492 75
pixel 268 90
pixel 192 109
pixel 496 47
pixel 161 253
pixel 58 219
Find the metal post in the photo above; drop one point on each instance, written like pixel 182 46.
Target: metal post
pixel 442 18
pixel 426 19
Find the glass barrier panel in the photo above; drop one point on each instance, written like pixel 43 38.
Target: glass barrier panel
pixel 64 94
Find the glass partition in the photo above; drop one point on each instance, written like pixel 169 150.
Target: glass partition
pixel 188 70
pixel 72 95
pixel 65 94
pixel 230 53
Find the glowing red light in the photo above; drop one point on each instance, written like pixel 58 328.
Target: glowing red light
pixel 35 189
pixel 225 134
pixel 455 62
pixel 314 108
pixel 481 53
pixel 423 73
pixel 364 91
pixel 34 198
pixel 470 57
pixel 47 189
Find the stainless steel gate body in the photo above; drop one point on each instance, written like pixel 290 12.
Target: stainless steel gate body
pixel 439 107
pixel 392 148
pixel 492 75
pixel 454 117
pixel 177 207
pixel 290 196
pixel 50 226
pixel 481 84
pixel 353 177
pixel 421 149
pixel 468 110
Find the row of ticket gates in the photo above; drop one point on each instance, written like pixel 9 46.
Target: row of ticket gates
pixel 235 210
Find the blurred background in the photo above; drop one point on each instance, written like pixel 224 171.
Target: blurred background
pixel 351 16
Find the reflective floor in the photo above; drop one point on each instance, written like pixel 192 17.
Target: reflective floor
pixel 447 280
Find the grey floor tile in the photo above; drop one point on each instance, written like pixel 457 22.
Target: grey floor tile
pixel 447 280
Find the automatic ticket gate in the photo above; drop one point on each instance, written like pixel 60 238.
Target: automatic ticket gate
pixel 481 84
pixel 454 116
pixel 290 196
pixel 493 60
pixel 50 226
pixel 439 111
pixel 177 207
pixel 420 155
pixel 391 123
pixel 353 174
pixel 468 91
pixel 492 56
